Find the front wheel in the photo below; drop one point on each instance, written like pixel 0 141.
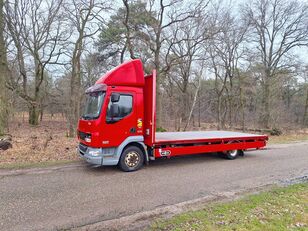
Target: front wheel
pixel 131 159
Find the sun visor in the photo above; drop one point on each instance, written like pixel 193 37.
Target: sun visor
pixel 127 74
pixel 96 88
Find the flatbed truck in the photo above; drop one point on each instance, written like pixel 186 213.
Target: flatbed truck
pixel 118 126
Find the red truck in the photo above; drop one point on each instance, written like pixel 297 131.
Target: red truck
pixel 118 125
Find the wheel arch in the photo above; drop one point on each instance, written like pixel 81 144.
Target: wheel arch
pixel 133 141
pixel 142 148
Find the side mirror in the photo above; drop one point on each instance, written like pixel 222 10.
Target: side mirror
pixel 115 97
pixel 114 110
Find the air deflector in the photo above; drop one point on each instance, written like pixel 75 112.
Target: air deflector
pixel 127 74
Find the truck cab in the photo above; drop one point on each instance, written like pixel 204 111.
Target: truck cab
pixel 113 117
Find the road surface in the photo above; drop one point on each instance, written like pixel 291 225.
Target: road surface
pixel 73 196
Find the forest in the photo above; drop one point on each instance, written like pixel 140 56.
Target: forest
pixel 220 64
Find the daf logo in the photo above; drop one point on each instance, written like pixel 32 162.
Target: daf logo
pixel 164 152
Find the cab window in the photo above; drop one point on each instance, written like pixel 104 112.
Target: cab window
pixel 125 104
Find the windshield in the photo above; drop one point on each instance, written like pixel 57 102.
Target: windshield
pixel 93 105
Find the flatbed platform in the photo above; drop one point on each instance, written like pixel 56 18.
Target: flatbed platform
pixel 174 137
pixel 183 143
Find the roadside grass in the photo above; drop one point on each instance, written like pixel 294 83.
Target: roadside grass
pixel 279 209
pixel 44 164
pixel 288 138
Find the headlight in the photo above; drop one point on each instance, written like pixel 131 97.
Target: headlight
pixel 85 136
pixel 94 152
pixel 87 139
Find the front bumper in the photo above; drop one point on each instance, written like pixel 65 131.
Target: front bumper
pixel 92 159
pixel 102 156
pixel 83 152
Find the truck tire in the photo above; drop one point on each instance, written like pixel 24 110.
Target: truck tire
pixel 132 159
pixel 230 155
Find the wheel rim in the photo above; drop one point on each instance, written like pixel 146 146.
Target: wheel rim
pixel 132 159
pixel 232 153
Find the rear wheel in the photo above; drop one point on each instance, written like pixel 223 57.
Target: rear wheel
pixel 230 155
pixel 131 159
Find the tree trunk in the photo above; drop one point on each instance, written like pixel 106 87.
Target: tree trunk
pixel 3 76
pixel 158 79
pixel 74 102
pixel 305 118
pixel 74 108
pixel 128 36
pixel 223 119
pixel 34 113
pixel 266 102
pixel 34 109
pixel 218 112
pixel 230 104
pixel 242 109
pixel 41 114
pixel 185 108
pixel 35 105
pixel 193 104
pixel 199 110
pixel 71 111
pixel 229 108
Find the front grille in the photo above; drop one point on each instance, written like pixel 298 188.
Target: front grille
pixel 83 148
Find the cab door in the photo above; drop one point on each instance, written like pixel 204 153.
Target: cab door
pixel 120 118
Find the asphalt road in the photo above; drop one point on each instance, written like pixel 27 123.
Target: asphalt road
pixel 72 196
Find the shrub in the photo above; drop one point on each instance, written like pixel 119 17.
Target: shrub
pixel 161 129
pixel 276 132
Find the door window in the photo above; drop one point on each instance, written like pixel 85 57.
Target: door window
pixel 125 106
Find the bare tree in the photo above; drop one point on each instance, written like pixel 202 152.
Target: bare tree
pixel 219 86
pixel 278 27
pixel 186 44
pixel 34 26
pixel 227 49
pixel 168 14
pixel 84 19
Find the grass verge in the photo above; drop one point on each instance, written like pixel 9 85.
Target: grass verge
pixel 279 209
pixel 44 164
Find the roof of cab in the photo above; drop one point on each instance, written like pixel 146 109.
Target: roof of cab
pixel 129 73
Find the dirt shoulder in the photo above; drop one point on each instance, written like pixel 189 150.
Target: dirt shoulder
pixel 43 145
